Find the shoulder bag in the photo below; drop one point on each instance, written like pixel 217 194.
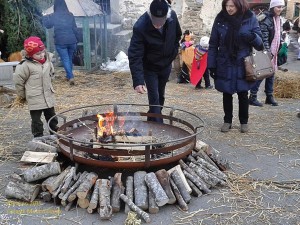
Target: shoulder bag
pixel 258 65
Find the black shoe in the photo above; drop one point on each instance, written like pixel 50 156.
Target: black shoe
pixel 209 87
pixel 198 87
pixel 271 101
pixel 253 101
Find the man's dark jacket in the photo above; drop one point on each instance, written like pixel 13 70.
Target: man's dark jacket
pixel 151 50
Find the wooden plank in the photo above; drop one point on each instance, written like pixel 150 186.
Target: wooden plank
pixel 38 157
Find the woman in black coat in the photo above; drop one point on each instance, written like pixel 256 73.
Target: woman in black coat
pixel 235 31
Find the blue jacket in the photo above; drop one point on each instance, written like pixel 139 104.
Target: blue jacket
pixel 151 50
pixel 65 29
pixel 230 74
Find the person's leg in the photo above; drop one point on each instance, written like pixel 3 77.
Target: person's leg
pixel 207 80
pixel 228 108
pixel 269 83
pixel 37 126
pixel 163 77
pixel 48 113
pixel 63 53
pixel 243 110
pixel 253 95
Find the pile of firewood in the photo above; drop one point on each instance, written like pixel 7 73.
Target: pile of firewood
pixel 143 191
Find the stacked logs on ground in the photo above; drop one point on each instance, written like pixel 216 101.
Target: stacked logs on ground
pixel 143 192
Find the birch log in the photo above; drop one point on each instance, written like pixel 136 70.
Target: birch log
pixel 84 202
pixel 74 188
pixel 135 208
pixel 195 191
pixel 158 192
pixel 22 190
pixel 180 185
pixel 164 179
pixel 86 185
pixel 117 189
pixel 214 155
pixel 178 168
pixel 95 196
pixel 140 190
pixel 214 170
pixel 153 207
pixel 57 182
pixel 182 204
pixel 105 209
pixel 198 182
pixel 204 175
pixel 69 177
pixel 45 196
pixel 129 191
pixel 204 156
pixel 41 172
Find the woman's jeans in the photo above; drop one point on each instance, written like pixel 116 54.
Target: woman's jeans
pixel 65 53
pixel 243 107
pixel 156 84
pixel 269 83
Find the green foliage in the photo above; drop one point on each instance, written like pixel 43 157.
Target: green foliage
pixel 20 19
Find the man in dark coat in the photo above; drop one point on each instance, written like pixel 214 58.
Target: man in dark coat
pixel 153 47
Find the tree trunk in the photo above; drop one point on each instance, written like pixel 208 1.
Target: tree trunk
pixel 135 208
pixel 22 190
pixel 117 189
pixel 86 185
pixel 179 198
pixel 140 190
pixel 105 209
pixel 129 191
pixel 164 179
pixel 41 172
pixel 158 192
pixel 180 185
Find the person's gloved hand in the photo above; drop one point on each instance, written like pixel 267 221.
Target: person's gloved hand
pixel 247 36
pixel 212 72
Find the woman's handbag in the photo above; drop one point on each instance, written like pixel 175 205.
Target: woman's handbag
pixel 258 65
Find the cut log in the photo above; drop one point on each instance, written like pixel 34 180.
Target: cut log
pixel 90 211
pixel 22 190
pixel 164 179
pixel 178 168
pixel 214 155
pixel 140 190
pixel 158 192
pixel 38 157
pixel 105 209
pixel 194 177
pixel 45 196
pixel 41 172
pixel 153 207
pixel 133 139
pixel 84 202
pixel 117 189
pixel 58 181
pixel 204 156
pixel 74 188
pixel 197 181
pixel 195 191
pixel 95 196
pixel 191 159
pixel 69 177
pixel 182 204
pixel 86 185
pixel 69 206
pixel 136 209
pixel 180 185
pixel 204 175
pixel 39 146
pixel 49 180
pixel 200 146
pixel 129 191
pixel 213 169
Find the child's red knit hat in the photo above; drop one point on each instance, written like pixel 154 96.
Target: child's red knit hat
pixel 33 45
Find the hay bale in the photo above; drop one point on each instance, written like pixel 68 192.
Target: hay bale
pixel 287 85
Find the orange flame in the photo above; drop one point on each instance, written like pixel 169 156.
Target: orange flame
pixel 106 124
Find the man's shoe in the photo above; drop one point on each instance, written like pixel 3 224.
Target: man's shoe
pixel 209 87
pixel 271 101
pixel 253 101
pixel 225 128
pixel 244 128
pixel 72 81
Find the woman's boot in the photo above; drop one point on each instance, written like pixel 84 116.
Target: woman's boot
pixel 253 100
pixel 271 101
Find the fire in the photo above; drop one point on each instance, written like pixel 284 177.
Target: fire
pixel 106 124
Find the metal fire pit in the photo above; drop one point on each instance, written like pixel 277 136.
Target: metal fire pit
pixel 172 140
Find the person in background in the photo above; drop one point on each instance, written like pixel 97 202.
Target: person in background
pixel 66 35
pixel 270 25
pixel 32 79
pixel 153 47
pixel 235 31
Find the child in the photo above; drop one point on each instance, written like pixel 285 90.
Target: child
pixel 201 60
pixel 33 83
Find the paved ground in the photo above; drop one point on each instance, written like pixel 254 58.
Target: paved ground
pixel 263 184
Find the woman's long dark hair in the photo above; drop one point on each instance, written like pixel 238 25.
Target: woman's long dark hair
pixel 60 6
pixel 241 5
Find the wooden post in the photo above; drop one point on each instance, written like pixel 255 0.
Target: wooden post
pixel 129 191
pixel 105 209
pixel 158 192
pixel 117 189
pixel 41 172
pixel 140 190
pixel 164 179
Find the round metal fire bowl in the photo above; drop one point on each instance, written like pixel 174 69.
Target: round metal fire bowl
pixel 172 140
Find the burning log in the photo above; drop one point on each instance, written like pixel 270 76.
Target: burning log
pixel 135 208
pixel 21 190
pixel 158 192
pixel 213 154
pixel 117 189
pixel 164 179
pixel 86 185
pixel 153 207
pixel 129 191
pixel 67 195
pixel 182 204
pixel 41 172
pixel 140 190
pixel 105 209
pixel 180 185
pixel 178 169
pixel 95 198
pixel 195 191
